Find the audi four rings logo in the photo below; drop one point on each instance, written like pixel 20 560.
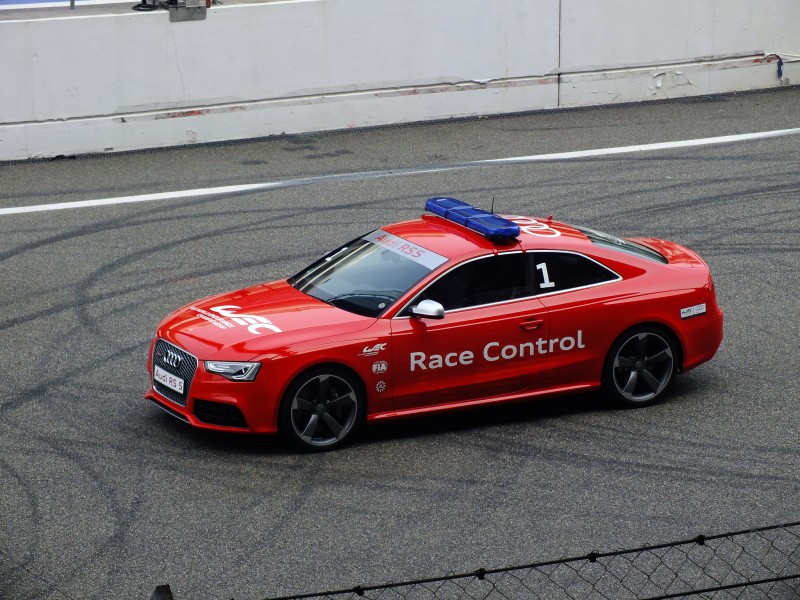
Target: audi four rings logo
pixel 172 359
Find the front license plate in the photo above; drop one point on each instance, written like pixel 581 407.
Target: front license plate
pixel 168 379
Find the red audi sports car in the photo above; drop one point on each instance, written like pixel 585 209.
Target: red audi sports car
pixel 459 308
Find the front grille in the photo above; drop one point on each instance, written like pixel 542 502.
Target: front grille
pixel 185 370
pixel 217 413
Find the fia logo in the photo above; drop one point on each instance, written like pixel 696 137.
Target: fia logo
pixel 380 367
pixel 373 351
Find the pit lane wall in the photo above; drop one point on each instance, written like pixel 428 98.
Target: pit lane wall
pixel 78 83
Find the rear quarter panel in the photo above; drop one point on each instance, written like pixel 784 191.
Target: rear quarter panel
pixel 648 294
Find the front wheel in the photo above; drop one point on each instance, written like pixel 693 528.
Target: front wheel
pixel 640 366
pixel 322 409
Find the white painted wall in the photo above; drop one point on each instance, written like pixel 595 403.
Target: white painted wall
pixel 136 62
pixel 131 80
pixel 615 34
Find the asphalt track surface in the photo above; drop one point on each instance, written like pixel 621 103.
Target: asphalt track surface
pixel 104 496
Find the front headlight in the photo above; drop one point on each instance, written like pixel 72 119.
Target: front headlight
pixel 235 371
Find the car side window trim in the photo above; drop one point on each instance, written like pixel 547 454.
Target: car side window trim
pixel 530 281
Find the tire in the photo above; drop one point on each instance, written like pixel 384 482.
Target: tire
pixel 322 409
pixel 641 365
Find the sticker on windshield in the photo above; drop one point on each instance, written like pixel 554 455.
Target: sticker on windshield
pixel 398 245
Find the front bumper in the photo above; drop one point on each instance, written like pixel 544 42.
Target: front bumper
pixel 209 401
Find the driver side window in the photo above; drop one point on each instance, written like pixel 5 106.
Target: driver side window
pixel 486 280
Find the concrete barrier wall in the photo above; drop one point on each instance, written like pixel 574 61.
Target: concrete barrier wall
pixel 597 36
pixel 131 80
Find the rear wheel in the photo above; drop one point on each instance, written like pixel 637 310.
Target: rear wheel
pixel 322 409
pixel 641 365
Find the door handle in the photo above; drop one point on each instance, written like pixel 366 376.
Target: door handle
pixel 531 324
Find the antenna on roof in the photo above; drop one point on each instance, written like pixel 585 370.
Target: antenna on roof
pixel 492 211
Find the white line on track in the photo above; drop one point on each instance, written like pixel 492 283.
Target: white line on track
pixel 257 187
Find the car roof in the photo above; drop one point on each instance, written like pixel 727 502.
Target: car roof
pixel 456 242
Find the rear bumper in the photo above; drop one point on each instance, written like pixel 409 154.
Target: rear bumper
pixel 703 339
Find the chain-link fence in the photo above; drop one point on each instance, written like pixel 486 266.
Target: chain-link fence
pixel 758 563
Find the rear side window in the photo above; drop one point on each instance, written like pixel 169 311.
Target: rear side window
pixel 559 271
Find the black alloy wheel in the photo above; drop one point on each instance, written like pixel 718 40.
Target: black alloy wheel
pixel 322 409
pixel 640 366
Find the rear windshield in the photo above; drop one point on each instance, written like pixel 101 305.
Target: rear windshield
pixel 368 275
pixel 610 241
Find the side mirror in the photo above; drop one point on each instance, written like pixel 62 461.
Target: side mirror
pixel 428 309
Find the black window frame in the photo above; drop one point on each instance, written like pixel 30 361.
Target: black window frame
pixel 530 277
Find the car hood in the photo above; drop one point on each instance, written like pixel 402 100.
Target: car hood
pixel 263 319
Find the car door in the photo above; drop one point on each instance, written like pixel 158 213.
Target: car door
pixel 485 346
pixel 579 294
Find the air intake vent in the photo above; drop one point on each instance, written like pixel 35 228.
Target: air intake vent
pixel 217 413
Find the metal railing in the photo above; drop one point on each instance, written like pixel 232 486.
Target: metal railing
pixel 757 563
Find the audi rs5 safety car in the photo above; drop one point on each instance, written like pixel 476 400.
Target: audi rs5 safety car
pixel 459 308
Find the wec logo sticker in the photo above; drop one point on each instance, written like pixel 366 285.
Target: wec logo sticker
pixel 254 323
pixel 372 351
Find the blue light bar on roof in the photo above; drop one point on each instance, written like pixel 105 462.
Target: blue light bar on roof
pixel 476 219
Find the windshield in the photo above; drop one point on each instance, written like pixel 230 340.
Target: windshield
pixel 368 275
pixel 604 239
